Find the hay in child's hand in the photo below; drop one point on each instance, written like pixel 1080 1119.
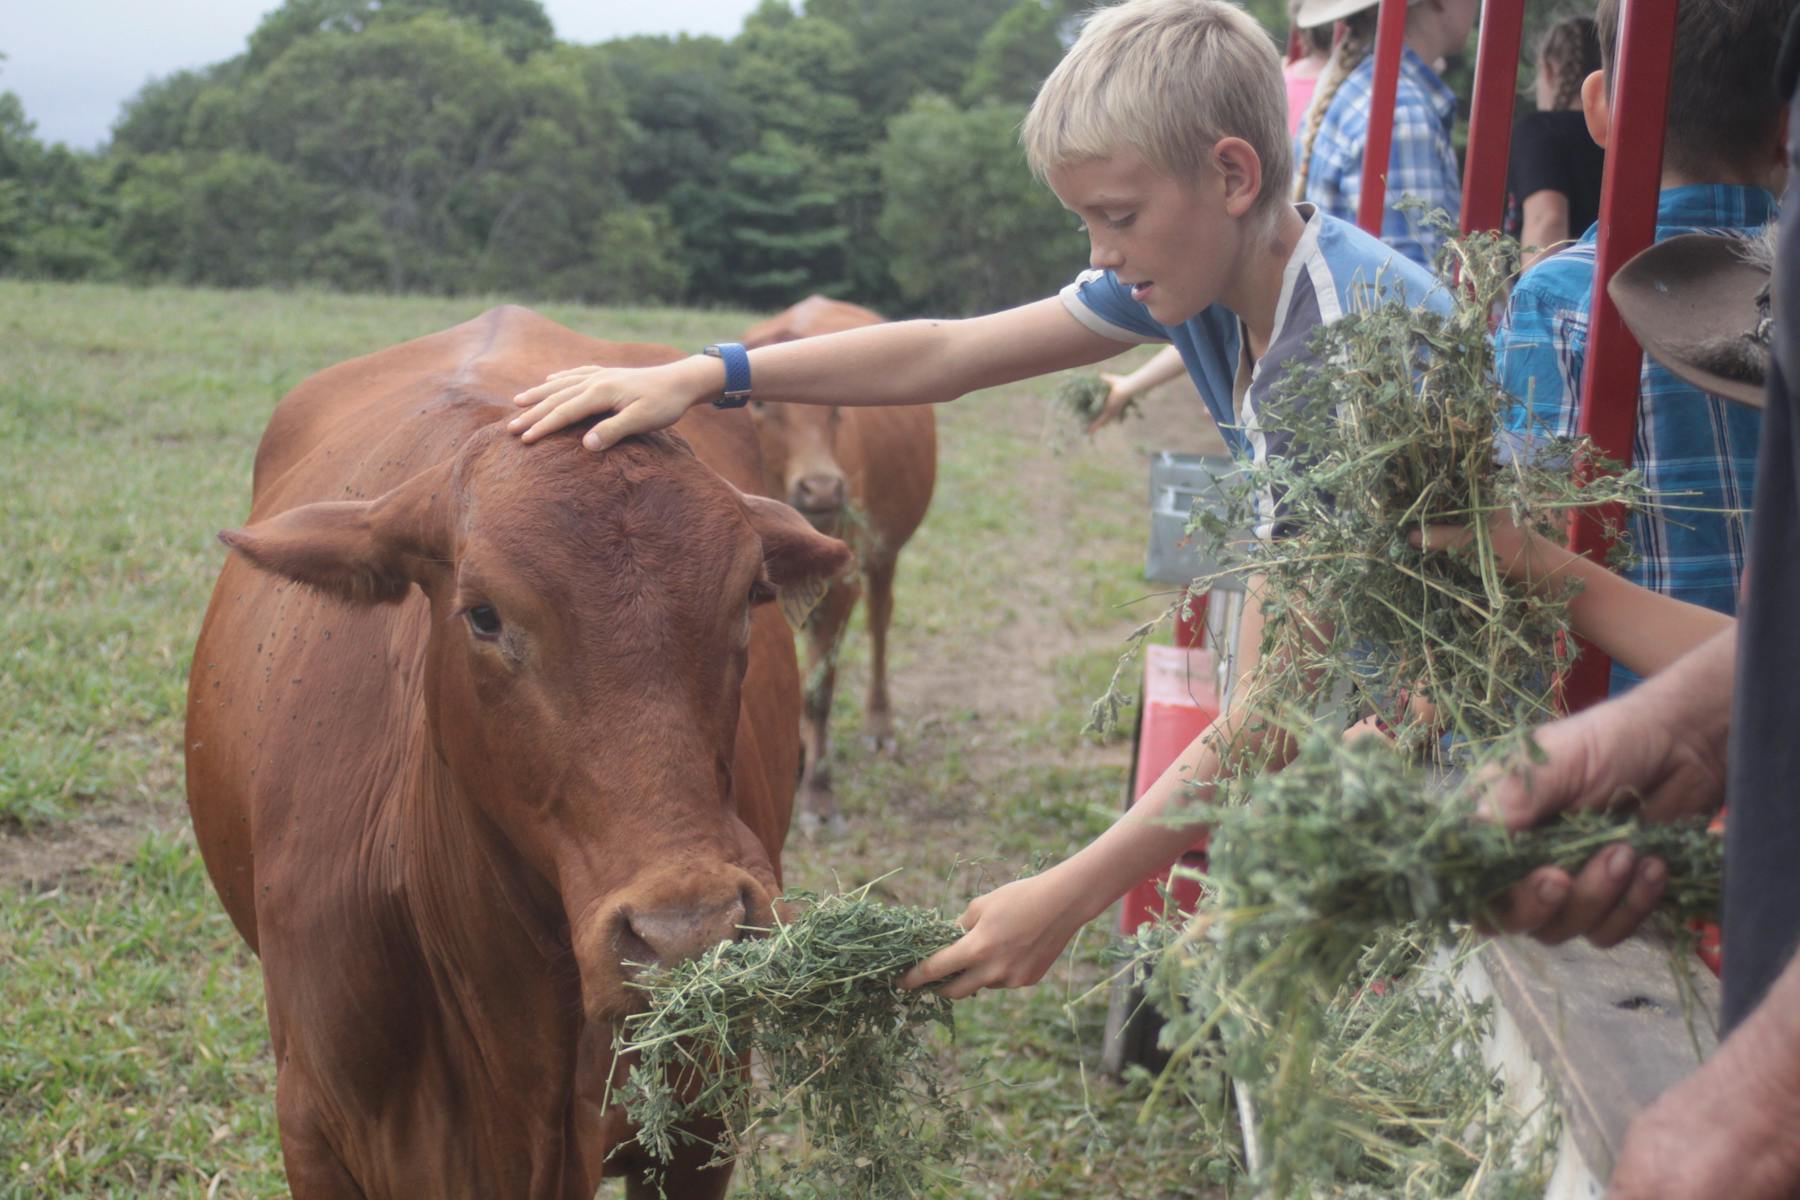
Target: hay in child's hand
pixel 1084 398
pixel 815 1001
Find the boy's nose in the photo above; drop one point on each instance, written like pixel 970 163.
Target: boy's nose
pixel 1101 256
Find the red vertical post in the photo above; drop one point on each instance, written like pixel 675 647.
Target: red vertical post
pixel 1491 114
pixel 1390 36
pixel 1609 395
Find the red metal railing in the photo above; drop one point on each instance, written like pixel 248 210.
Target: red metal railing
pixel 1638 109
pixel 1390 37
pixel 1491 114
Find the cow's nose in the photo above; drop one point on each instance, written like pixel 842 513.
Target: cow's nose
pixel 670 935
pixel 819 491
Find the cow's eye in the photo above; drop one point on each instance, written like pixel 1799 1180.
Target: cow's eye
pixel 484 621
pixel 761 592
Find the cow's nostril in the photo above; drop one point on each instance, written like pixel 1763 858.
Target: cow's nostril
pixel 635 950
pixel 746 907
pixel 675 934
pixel 820 491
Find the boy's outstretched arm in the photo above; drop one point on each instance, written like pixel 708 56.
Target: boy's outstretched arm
pixel 906 362
pixel 1017 931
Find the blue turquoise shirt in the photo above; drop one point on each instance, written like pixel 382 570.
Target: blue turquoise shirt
pixel 1697 451
pixel 1335 268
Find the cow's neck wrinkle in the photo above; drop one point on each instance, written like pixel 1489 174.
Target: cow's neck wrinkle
pixel 467 877
pixel 499 962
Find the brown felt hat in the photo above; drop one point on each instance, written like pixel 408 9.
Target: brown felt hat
pixel 1699 305
pixel 1313 13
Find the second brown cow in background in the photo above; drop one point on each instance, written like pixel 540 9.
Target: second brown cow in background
pixel 861 474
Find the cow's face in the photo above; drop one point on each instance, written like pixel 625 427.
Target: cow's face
pixel 591 619
pixel 801 461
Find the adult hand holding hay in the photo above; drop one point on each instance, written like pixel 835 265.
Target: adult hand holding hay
pixel 1329 883
pixel 1661 745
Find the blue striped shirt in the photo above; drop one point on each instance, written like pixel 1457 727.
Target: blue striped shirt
pixel 1697 451
pixel 1422 162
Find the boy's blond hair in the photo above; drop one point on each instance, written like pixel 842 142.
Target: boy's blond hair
pixel 1167 79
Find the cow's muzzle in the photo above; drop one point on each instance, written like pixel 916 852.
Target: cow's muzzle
pixel 657 925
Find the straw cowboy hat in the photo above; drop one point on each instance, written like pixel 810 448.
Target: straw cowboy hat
pixel 1313 13
pixel 1699 305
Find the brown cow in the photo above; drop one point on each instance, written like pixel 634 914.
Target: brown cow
pixel 875 466
pixel 444 814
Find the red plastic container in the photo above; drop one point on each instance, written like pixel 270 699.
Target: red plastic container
pixel 1180 699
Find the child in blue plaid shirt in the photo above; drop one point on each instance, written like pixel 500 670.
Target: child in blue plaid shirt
pixel 1722 152
pixel 1328 151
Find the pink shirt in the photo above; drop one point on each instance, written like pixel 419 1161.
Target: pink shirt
pixel 1302 77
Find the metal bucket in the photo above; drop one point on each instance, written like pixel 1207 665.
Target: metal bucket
pixel 1178 481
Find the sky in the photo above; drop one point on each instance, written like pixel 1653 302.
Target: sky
pixel 74 62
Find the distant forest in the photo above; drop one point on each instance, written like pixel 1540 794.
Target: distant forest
pixel 863 148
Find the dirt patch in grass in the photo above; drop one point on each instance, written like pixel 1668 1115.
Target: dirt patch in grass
pixel 103 834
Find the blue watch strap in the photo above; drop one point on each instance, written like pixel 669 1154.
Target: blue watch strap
pixel 737 373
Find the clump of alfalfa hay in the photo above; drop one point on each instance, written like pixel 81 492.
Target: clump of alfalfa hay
pixel 1300 976
pixel 1394 429
pixel 1083 397
pixel 835 1041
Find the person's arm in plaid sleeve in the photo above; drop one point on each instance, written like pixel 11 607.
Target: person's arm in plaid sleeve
pixel 1528 360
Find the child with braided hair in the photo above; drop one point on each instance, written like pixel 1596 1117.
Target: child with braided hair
pixel 1328 152
pixel 1553 180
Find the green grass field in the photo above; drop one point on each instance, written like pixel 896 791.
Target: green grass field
pixel 133 1059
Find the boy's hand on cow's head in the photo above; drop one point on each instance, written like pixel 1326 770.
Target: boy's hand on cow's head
pixel 640 399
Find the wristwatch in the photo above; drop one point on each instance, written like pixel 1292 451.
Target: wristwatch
pixel 737 373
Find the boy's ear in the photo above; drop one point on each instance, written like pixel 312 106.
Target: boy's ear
pixel 1240 169
pixel 1595 108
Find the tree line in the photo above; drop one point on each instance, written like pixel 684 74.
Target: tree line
pixel 861 148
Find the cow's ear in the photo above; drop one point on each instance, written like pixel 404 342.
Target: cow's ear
pixel 800 560
pixel 362 551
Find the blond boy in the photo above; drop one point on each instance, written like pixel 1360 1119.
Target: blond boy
pixel 1164 129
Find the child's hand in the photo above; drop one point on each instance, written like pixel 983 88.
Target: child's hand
pixel 1119 394
pixel 1523 556
pixel 1014 935
pixel 641 399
